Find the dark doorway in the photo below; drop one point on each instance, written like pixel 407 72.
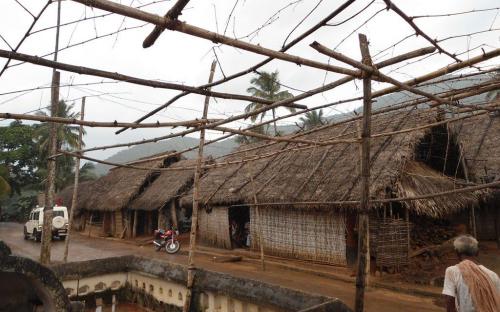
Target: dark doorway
pixel 239 227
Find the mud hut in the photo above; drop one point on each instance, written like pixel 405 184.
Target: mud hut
pixel 107 200
pixel 161 199
pixel 479 141
pixel 288 193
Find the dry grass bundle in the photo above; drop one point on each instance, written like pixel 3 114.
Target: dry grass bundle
pixel 419 179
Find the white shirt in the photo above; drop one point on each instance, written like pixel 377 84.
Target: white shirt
pixel 455 286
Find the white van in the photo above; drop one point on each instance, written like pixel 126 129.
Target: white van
pixel 33 227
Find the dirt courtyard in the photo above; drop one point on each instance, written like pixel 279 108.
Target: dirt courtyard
pixel 87 248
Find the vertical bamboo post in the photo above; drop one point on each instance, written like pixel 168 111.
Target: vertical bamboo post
pixel 363 242
pixel 173 214
pixel 75 187
pixel 258 219
pixel 196 190
pixel 466 175
pixel 407 217
pixel 134 228
pixel 90 223
pixel 51 162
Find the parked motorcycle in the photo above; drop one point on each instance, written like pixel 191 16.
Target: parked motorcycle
pixel 167 239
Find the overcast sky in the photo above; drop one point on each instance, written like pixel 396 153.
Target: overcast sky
pixel 179 58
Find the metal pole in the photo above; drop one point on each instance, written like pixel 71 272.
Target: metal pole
pixel 75 188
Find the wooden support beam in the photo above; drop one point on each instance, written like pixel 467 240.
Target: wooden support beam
pixel 134 228
pixel 363 230
pixel 196 199
pixel 130 79
pixel 301 37
pixel 112 124
pixel 172 14
pixel 74 199
pixel 375 73
pixel 179 26
pixel 258 220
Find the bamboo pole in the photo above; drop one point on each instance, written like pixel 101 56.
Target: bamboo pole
pixel 375 73
pixel 183 27
pixel 435 74
pixel 134 228
pixel 286 47
pixel 69 121
pixel 258 221
pixel 75 187
pixel 196 198
pixel 363 230
pixel 51 175
pixel 82 70
pixel 173 14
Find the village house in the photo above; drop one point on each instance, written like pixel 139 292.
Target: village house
pixel 303 199
pixel 161 198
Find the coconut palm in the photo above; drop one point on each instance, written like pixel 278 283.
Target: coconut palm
pixel 313 119
pixel 67 137
pixel 266 85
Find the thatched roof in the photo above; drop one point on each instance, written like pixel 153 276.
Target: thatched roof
pixel 419 179
pixel 84 191
pixel 321 173
pixel 169 185
pixel 115 190
pixel 480 140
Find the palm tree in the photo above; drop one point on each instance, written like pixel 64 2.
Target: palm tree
pixel 67 137
pixel 313 119
pixel 266 86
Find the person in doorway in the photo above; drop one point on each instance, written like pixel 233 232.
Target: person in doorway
pixel 469 286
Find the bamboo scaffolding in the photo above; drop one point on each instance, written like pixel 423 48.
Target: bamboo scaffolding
pixel 363 232
pixel 376 74
pixel 183 27
pixel 172 14
pixel 440 72
pixel 323 22
pixel 74 198
pixel 82 70
pixel 194 218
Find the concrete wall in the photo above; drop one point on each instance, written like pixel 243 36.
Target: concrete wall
pixel 213 291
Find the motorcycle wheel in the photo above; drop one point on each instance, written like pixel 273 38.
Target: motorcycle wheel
pixel 172 246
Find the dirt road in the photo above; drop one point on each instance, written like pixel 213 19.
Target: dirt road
pixel 85 248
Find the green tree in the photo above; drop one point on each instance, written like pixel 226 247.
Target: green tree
pixel 312 119
pixel 18 155
pixel 266 85
pixel 87 172
pixel 67 138
pixel 5 188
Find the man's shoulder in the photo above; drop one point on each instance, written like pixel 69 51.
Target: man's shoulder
pixel 491 273
pixel 452 269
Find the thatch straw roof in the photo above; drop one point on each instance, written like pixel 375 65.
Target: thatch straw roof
pixel 115 190
pixel 480 141
pixel 84 191
pixel 168 186
pixel 321 173
pixel 419 179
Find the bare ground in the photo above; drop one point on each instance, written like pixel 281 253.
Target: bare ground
pixel 87 248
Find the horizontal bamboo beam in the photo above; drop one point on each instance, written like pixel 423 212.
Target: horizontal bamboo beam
pixel 375 72
pixel 112 124
pixel 329 86
pixel 130 79
pixel 176 25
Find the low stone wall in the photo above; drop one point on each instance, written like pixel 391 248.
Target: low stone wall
pixel 212 289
